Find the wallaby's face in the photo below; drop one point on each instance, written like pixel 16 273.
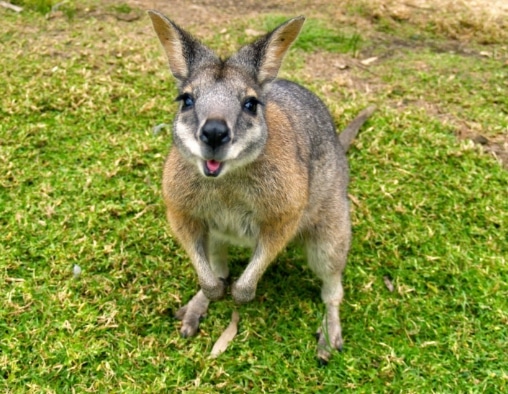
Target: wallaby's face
pixel 220 124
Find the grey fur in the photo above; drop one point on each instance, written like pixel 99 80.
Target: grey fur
pixel 256 162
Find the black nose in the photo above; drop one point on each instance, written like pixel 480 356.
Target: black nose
pixel 215 133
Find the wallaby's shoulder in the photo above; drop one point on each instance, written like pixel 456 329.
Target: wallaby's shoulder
pixel 306 113
pixel 290 93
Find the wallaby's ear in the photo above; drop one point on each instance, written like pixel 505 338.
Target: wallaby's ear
pixel 264 56
pixel 184 52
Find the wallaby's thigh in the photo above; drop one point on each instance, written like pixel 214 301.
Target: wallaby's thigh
pixel 327 242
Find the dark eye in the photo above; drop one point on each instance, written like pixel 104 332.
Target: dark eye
pixel 251 105
pixel 187 101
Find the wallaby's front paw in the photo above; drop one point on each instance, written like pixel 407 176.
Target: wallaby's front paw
pixel 242 294
pixel 215 292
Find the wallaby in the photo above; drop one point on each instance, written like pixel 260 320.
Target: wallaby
pixel 256 161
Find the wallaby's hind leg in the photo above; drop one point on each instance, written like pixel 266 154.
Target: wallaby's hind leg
pixel 192 312
pixel 330 332
pixel 327 253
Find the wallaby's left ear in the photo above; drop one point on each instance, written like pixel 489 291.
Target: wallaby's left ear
pixel 264 56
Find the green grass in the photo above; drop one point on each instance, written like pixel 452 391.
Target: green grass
pixel 80 184
pixel 316 35
pixel 454 85
pixel 41 6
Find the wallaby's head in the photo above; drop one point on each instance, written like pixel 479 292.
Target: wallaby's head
pixel 220 125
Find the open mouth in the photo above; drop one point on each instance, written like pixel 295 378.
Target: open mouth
pixel 213 168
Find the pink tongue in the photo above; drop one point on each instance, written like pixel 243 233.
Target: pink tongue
pixel 212 165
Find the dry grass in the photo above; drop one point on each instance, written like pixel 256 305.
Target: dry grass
pixel 482 21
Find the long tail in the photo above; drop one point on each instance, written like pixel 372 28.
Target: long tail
pixel 351 131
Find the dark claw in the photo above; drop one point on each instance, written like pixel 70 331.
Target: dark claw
pixel 322 362
pixel 185 335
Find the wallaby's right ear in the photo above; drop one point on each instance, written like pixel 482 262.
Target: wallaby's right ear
pixel 264 56
pixel 184 52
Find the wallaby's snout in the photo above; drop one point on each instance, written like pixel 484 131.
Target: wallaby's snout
pixel 215 133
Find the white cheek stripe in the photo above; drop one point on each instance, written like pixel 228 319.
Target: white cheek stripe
pixel 239 145
pixel 186 135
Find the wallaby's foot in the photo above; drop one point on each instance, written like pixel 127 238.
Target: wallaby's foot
pixel 327 258
pixel 217 291
pixel 191 314
pixel 241 293
pixel 329 338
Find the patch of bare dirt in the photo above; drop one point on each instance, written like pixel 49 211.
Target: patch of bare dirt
pixel 341 70
pixel 497 146
pixel 206 15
